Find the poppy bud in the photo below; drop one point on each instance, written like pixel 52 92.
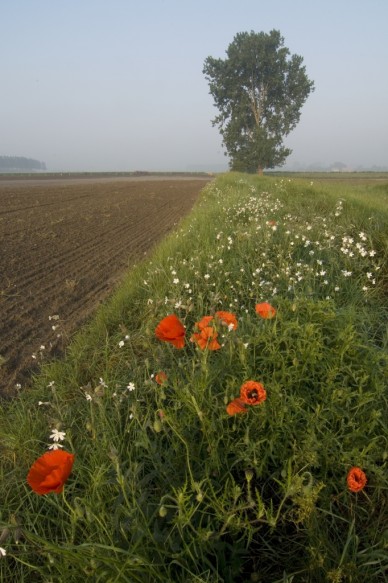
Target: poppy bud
pixel 157 426
pixel 248 475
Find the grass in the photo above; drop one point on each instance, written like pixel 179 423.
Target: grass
pixel 166 486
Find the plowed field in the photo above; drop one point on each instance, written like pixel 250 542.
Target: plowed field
pixel 64 247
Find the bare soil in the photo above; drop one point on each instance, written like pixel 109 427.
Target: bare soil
pixel 64 247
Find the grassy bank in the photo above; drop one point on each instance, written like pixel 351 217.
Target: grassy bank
pixel 167 484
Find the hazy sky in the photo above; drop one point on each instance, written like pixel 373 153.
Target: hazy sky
pixel 118 84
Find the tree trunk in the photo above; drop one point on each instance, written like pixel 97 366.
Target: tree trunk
pixel 260 170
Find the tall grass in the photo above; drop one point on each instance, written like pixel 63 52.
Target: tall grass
pixel 166 485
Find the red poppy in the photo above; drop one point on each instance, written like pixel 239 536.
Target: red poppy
pixel 204 322
pixel 236 406
pixel 252 393
pixel 50 472
pixel 265 310
pixel 206 338
pixel 228 319
pixel 171 330
pixel 356 479
pixel 160 377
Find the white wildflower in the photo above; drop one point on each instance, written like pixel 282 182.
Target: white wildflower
pixel 57 435
pixel 54 446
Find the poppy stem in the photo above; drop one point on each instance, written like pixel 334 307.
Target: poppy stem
pixel 187 453
pixel 66 503
pixel 73 516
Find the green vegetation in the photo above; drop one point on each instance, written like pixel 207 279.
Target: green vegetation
pixel 166 485
pixel 259 90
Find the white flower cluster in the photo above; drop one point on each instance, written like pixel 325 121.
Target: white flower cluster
pixel 256 250
pixel 57 436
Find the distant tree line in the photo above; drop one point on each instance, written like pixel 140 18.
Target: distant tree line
pixel 19 163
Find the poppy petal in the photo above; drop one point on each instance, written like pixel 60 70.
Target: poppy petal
pixel 265 310
pixel 228 319
pixel 204 322
pixel 50 472
pixel 252 393
pixel 356 479
pixel 160 377
pixel 235 407
pixel 206 338
pixel 171 330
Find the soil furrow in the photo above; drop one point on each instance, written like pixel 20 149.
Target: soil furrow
pixel 64 247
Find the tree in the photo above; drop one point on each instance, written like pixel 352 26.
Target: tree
pixel 259 90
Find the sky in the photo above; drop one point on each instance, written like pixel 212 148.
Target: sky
pixel 117 85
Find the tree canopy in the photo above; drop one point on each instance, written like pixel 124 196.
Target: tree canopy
pixel 259 90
